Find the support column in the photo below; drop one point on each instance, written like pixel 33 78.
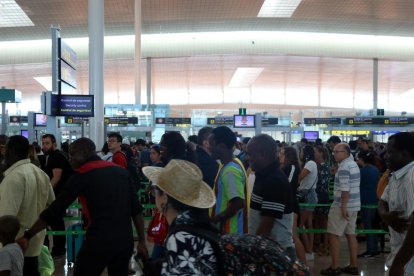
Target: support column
pixel 375 86
pixel 258 124
pixel 3 118
pixel 149 82
pixel 96 56
pixel 137 58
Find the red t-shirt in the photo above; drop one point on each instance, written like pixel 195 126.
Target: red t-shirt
pixel 119 158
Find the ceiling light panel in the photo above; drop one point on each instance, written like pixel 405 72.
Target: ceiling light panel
pixel 245 76
pixel 278 8
pixel 11 15
pixel 46 82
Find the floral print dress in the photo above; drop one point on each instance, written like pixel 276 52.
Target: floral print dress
pixel 188 254
pixel 322 188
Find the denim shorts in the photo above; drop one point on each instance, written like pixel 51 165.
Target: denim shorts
pixel 311 198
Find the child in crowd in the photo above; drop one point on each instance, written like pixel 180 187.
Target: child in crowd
pixel 11 255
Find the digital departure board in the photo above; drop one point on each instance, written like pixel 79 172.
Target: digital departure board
pixel 178 121
pixel 14 119
pixel 121 120
pixel 220 121
pixel 67 74
pixel 269 121
pixel 379 121
pixel 74 120
pixel 173 121
pixel 322 121
pixel 67 54
pixel 228 121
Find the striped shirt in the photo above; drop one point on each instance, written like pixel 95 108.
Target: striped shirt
pixel 347 179
pixel 231 183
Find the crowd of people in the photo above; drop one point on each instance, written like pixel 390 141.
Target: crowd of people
pixel 211 181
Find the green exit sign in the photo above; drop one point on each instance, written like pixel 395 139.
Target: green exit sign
pixel 380 112
pixel 242 111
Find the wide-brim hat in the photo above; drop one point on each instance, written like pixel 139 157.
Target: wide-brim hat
pixel 183 181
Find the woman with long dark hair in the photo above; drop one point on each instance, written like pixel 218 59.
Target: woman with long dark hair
pixel 322 190
pixel 289 163
pixel 155 156
pixel 308 178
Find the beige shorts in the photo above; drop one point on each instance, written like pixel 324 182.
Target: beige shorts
pixel 338 225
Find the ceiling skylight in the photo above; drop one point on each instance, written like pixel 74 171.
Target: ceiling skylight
pixel 11 15
pixel 278 8
pixel 409 93
pixel 245 76
pixel 46 82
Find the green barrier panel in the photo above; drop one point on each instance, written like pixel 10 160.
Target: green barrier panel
pixel 315 231
pixel 75 206
pixel 72 218
pixel 357 231
pixel 329 204
pixel 77 232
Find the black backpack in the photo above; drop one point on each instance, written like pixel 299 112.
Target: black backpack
pixel 247 254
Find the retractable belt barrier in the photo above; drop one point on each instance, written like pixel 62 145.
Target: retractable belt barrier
pixel 300 230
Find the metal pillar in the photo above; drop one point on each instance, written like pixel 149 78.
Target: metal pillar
pixel 375 86
pixel 137 59
pixel 258 123
pixel 3 118
pixel 149 82
pixel 96 56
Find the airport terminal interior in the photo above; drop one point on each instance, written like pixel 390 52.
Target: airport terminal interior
pixel 292 69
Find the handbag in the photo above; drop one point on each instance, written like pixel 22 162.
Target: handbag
pixel 301 196
pixel 157 229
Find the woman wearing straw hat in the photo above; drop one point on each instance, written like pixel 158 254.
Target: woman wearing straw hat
pixel 181 196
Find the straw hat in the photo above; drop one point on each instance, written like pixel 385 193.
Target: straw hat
pixel 183 181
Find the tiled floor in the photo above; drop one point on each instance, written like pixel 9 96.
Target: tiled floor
pixel 368 267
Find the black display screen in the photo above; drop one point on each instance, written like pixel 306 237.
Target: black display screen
pixel 322 121
pixel 76 105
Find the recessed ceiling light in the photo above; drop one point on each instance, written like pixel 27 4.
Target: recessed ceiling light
pixel 278 8
pixel 245 76
pixel 46 82
pixel 11 15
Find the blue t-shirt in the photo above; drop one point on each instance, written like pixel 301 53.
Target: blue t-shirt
pixel 368 187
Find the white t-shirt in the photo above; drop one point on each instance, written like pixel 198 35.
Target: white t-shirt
pixel 399 194
pixel 309 182
pixel 11 259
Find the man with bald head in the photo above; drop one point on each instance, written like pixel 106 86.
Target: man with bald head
pixel 271 205
pixel 344 209
pixel 109 201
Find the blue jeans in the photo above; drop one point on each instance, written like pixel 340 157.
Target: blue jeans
pixel 368 217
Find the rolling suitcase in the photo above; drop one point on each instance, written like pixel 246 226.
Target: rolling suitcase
pixel 73 243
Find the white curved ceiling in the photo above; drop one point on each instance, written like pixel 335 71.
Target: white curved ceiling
pixel 216 37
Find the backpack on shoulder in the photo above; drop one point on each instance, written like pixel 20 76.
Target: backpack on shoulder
pixel 247 254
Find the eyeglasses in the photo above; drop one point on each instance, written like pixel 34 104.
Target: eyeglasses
pixel 337 151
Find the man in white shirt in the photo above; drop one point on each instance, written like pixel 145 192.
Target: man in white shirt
pixel 25 192
pixel 397 203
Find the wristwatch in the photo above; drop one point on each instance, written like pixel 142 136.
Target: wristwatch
pixel 26 234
